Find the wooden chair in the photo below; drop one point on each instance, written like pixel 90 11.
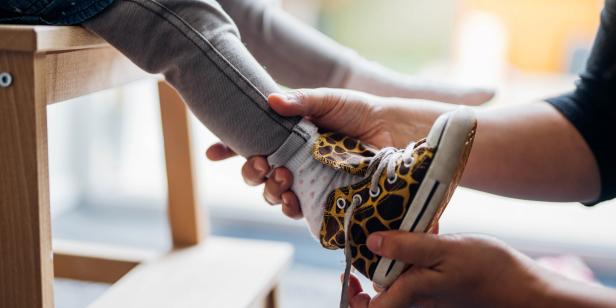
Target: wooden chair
pixel 42 65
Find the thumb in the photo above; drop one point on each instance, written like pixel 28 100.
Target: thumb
pixel 302 102
pixel 425 250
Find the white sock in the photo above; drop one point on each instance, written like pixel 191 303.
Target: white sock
pixel 313 181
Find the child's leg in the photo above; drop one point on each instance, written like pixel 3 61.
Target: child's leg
pixel 195 45
pixel 299 56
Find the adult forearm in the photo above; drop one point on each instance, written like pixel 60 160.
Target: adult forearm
pixel 567 293
pixel 531 151
pixel 525 151
pixel 299 56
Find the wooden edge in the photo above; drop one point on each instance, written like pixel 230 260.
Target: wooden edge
pixel 47 38
pixel 81 72
pixel 273 298
pixel 17 38
pixel 52 38
pixel 95 262
pixel 183 209
pixel 270 296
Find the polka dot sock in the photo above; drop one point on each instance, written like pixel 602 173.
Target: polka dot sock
pixel 312 182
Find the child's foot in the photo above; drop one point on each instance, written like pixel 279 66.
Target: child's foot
pixel 402 189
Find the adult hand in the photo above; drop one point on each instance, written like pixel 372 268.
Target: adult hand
pixel 375 120
pixel 451 270
pixel 470 271
pixel 363 116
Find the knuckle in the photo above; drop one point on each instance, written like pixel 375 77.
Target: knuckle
pixel 335 98
pixel 405 283
pixel 269 190
pixel 301 94
pixel 403 289
pixel 275 189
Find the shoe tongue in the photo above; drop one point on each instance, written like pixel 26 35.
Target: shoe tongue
pixel 343 153
pixel 347 154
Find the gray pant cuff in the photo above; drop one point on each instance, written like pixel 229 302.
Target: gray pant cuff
pixel 287 154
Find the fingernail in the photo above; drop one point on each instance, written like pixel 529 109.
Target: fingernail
pixel 261 167
pixel 375 242
pixel 278 178
pixel 285 200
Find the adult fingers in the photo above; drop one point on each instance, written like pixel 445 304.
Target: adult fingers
pixel 290 205
pixel 357 297
pixel 354 285
pixel 361 300
pixel 279 182
pixel 420 249
pixel 255 170
pixel 377 287
pixel 219 151
pixel 306 102
pixel 453 94
pixel 477 96
pixel 410 288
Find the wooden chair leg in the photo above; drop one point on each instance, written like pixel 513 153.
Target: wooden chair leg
pixel 26 271
pixel 272 300
pixel 96 262
pixel 183 209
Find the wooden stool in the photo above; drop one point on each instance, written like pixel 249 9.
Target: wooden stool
pixel 42 65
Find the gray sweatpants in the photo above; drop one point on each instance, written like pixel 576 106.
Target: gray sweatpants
pixel 197 47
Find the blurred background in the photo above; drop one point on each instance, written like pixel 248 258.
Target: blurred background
pixel 107 163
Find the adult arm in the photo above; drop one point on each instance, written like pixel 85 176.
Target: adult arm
pixel 532 152
pixel 299 56
pixel 526 151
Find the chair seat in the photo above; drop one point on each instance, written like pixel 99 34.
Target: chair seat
pixel 221 272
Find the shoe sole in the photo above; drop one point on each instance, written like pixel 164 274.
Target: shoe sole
pixel 455 140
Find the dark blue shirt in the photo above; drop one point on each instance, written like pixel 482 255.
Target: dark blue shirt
pixel 591 107
pixel 51 12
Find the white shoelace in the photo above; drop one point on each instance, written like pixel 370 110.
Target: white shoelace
pixel 344 297
pixel 384 160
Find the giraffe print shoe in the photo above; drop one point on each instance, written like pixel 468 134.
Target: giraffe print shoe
pixel 402 190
